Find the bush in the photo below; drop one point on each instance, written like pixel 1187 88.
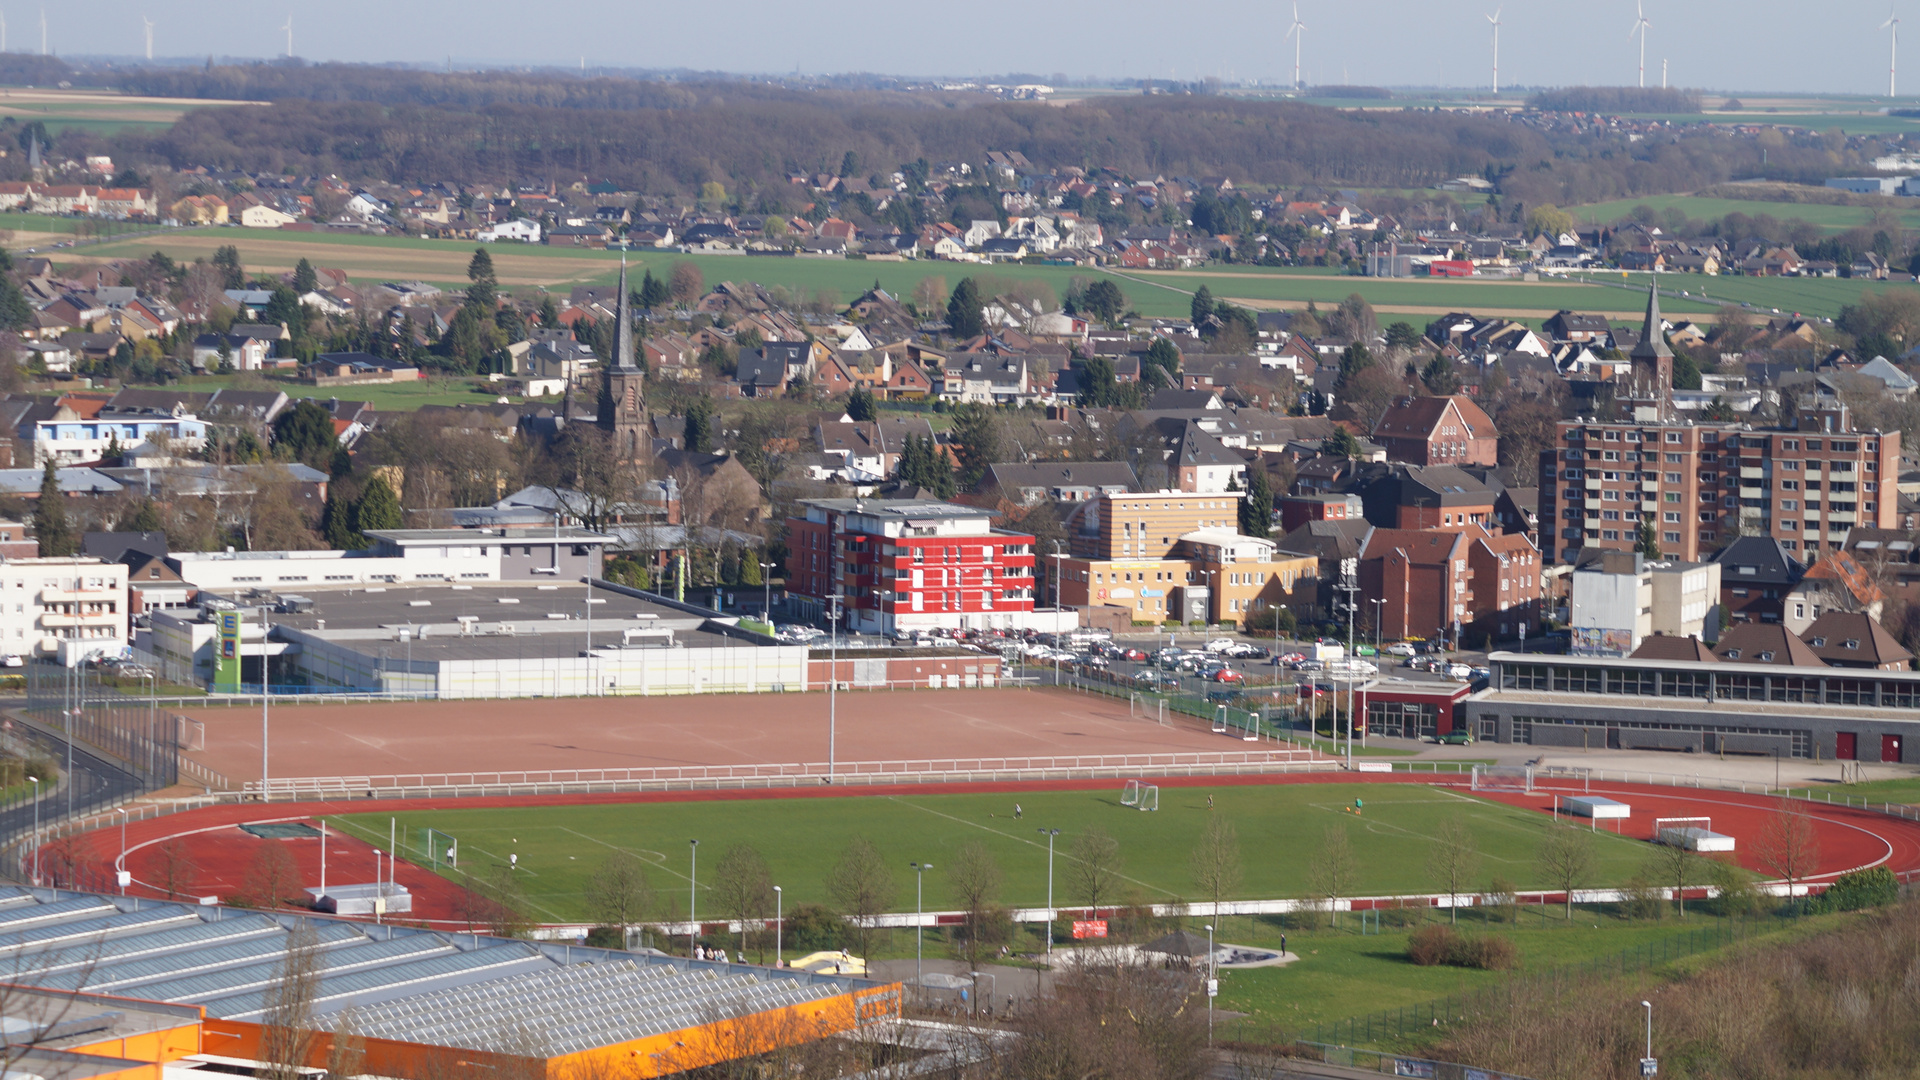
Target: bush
pixel 1502 904
pixel 606 937
pixel 812 928
pixel 1735 896
pixel 1643 900
pixel 1862 889
pixel 1431 946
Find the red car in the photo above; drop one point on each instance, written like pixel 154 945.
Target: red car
pixel 1225 675
pixel 1134 655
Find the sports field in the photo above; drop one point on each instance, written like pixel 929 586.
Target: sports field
pixel 1279 828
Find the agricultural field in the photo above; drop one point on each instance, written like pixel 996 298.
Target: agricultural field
pixel 1833 218
pixel 1279 827
pixel 102 112
pixel 393 397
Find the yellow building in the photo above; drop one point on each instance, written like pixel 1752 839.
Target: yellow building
pixel 1237 576
pixel 1148 525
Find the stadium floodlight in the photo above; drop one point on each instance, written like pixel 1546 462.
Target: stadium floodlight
pixel 1050 834
pixel 693 895
pixel 919 893
pixel 1640 25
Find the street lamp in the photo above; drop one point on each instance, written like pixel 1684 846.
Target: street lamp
pixel 766 592
pixel 120 868
pixel 1379 614
pixel 1213 984
pixel 693 895
pixel 266 695
pixel 1649 1065
pixel 1050 834
pixel 1057 557
pixel 919 876
pixel 36 828
pixel 779 924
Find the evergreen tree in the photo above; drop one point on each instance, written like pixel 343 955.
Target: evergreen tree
pixel 378 507
pixel 549 314
pixel 15 312
pixel 1256 510
pixel 50 524
pixel 1202 307
pixel 305 434
pixel 336 523
pixel 964 318
pixel 341 466
pixel 144 520
pixel 976 441
pixel 1648 542
pixel 1164 357
pixel 860 405
pixel 233 275
pixel 1340 444
pixel 654 292
pixel 484 294
pixel 1440 377
pixel 1686 373
pixel 304 279
pixel 699 416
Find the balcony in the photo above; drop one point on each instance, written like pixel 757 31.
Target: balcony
pixel 1753 492
pixel 56 622
pixel 89 595
pixel 1752 473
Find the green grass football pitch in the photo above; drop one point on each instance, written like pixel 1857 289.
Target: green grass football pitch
pixel 1279 828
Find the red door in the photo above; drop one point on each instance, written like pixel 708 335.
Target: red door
pixel 1846 746
pixel 1890 748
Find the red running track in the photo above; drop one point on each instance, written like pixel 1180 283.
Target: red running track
pixel 1849 839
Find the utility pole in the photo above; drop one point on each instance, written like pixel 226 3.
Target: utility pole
pixel 1050 834
pixel 833 679
pixel 1350 584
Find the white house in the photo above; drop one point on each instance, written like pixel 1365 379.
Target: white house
pixel 72 439
pixel 980 232
pixel 67 609
pixel 520 229
pixel 364 205
pixel 264 217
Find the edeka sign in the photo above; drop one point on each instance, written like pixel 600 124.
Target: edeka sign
pixel 226 672
pixel 1089 928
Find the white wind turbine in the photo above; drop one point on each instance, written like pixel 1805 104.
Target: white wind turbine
pixel 148 24
pixel 289 29
pixel 1640 25
pixel 1893 49
pixel 1495 20
pixel 1298 32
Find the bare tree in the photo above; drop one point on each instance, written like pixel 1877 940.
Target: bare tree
pixel 744 887
pixel 176 867
pixel 862 886
pixel 287 1025
pixel 1679 865
pixel 619 892
pixel 1452 860
pixel 1114 1021
pixel 346 1051
pixel 1093 868
pixel 1331 872
pixel 1787 844
pixel 507 908
pixel 1216 860
pixel 1566 859
pixel 273 878
pixel 975 878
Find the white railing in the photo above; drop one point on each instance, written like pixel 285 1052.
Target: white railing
pixel 916 770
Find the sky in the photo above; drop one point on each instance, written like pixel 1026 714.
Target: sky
pixel 1714 44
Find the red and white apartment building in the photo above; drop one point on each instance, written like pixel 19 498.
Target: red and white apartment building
pixel 911 564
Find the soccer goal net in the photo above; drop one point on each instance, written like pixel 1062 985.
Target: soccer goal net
pixel 1130 793
pixel 1502 778
pixel 1149 797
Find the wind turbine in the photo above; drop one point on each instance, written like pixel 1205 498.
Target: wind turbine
pixel 148 23
pixel 1640 24
pixel 1495 20
pixel 1893 60
pixel 1298 32
pixel 289 29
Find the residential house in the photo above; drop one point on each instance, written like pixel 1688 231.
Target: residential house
pixel 1438 431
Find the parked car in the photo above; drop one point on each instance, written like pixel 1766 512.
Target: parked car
pixel 1292 657
pixel 1309 665
pixel 1459 671
pixel 1457 737
pixel 1401 648
pixel 1221 644
pixel 1134 656
pixel 1226 675
pixel 1244 651
pixel 13 660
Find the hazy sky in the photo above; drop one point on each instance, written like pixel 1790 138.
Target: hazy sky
pixel 1776 45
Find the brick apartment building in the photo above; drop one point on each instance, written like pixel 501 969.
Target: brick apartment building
pixel 1438 431
pixel 1804 484
pixel 1450 582
pixel 911 564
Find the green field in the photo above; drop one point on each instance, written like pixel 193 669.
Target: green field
pixel 396 397
pixel 96 112
pixel 1834 218
pixel 1279 827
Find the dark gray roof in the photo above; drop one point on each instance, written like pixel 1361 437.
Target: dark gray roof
pixel 1757 559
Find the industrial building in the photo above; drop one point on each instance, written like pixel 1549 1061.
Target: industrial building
pixel 111 986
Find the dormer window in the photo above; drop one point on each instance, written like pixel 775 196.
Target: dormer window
pixel 1733 654
pixel 1819 643
pixel 1765 657
pixel 1850 643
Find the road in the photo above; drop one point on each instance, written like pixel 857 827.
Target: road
pixel 95 782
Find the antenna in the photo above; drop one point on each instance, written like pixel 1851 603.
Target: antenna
pixel 1298 32
pixel 1640 25
pixel 1893 48
pixel 289 29
pixel 1495 20
pixel 148 23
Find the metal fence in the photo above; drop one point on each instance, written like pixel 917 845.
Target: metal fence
pixel 1363 1060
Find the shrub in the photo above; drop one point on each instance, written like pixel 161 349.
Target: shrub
pixel 812 928
pixel 1642 899
pixel 1431 946
pixel 1862 889
pixel 606 937
pixel 1503 905
pixel 1735 896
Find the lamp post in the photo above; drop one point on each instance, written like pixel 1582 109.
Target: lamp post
pixel 779 925
pixel 1050 834
pixel 833 678
pixel 1057 558
pixel 36 828
pixel 1213 984
pixel 919 876
pixel 766 592
pixel 266 688
pixel 379 888
pixel 1649 1065
pixel 693 895
pixel 120 867
pixel 1379 614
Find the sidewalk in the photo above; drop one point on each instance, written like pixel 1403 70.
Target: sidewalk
pixel 1743 768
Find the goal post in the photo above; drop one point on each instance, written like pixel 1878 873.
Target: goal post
pixel 1130 793
pixel 1149 796
pixel 1503 778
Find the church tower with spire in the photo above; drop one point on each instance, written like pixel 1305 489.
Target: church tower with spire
pixel 1650 387
pixel 622 409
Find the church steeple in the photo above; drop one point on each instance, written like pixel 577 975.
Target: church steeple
pixel 1651 385
pixel 623 334
pixel 623 410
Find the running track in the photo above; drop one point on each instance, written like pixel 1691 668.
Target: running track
pixel 1849 839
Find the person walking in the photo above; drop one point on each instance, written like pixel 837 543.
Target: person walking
pixel 1016 810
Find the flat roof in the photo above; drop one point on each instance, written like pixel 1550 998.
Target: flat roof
pixel 569 534
pixel 897 508
pixel 160 960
